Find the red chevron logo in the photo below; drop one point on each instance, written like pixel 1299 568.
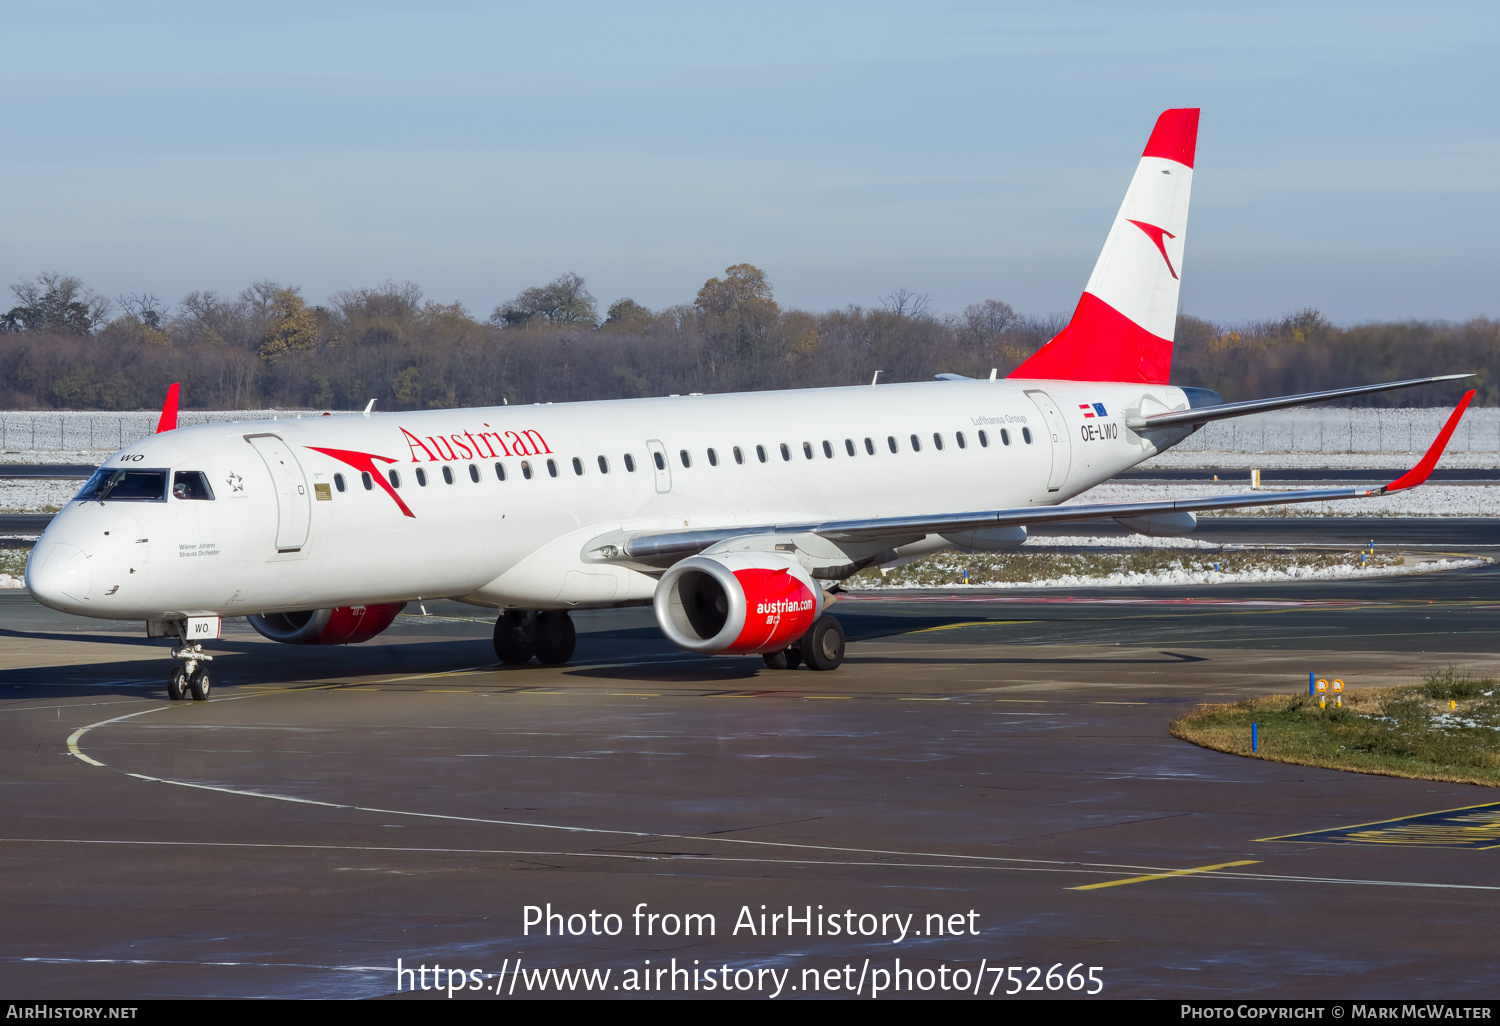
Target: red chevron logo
pixel 365 462
pixel 1155 235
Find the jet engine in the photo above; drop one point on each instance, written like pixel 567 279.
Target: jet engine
pixel 736 603
pixel 343 625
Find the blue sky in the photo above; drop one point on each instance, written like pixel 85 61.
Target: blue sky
pixel 1349 154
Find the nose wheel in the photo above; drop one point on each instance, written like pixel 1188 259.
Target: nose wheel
pixel 191 678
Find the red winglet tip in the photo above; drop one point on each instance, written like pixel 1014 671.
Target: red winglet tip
pixel 1175 136
pixel 168 420
pixel 1416 475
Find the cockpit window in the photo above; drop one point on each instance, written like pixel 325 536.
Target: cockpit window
pixel 192 484
pixel 114 484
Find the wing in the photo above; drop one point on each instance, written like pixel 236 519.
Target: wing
pixel 896 529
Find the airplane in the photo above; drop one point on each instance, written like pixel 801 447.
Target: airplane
pixel 735 516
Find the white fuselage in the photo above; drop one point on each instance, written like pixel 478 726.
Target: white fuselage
pixel 290 539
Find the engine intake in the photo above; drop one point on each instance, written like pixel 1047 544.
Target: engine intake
pixel 736 603
pixel 342 625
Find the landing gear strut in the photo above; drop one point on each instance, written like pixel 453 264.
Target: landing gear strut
pixel 549 635
pixel 191 678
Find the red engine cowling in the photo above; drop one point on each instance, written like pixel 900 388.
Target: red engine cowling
pixel 736 603
pixel 344 625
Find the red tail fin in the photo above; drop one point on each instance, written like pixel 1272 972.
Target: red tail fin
pixel 1123 327
pixel 168 411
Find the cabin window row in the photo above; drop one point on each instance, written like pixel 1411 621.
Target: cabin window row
pixel 686 458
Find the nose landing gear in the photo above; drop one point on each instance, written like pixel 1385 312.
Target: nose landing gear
pixel 191 678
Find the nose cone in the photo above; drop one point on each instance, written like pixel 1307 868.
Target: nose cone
pixel 58 575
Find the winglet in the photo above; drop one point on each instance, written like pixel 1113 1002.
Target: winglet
pixel 1416 475
pixel 168 420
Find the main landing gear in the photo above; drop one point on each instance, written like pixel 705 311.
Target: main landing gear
pixel 821 648
pixel 548 635
pixel 191 678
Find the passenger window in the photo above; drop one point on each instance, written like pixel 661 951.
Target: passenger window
pixel 739 457
pixel 984 439
pixel 916 444
pixel 603 465
pixel 1026 435
pixel 891 441
pixel 760 452
pixel 849 446
pixel 786 453
pixel 1004 437
pixel 577 466
pixel 395 479
pixel 958 436
pixel 526 469
pixel 713 458
pixel 937 440
pixel 552 468
pixel 687 461
pixel 629 463
pixel 447 474
pixel 473 473
pixel 193 484
pixel 364 476
pixel 338 481
pixel 661 461
pixel 807 449
pixel 499 471
pixel 421 478
pixel 827 449
pixel 870 446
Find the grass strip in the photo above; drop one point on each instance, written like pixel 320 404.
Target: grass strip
pixel 1446 728
pixel 982 568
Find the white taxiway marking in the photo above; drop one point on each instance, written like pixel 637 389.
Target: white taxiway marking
pixel 973 861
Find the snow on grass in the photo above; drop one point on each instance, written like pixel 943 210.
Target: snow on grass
pixel 36 495
pixel 1129 541
pixel 1143 567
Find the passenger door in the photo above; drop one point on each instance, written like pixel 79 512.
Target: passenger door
pixel 1057 431
pixel 293 504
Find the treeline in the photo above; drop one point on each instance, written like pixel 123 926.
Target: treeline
pixel 62 346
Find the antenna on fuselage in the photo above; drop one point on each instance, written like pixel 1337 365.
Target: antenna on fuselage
pixel 874 379
pixel 369 406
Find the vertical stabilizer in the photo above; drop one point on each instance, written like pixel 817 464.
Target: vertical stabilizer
pixel 168 420
pixel 1123 326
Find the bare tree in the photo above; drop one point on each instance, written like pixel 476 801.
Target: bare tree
pixel 903 302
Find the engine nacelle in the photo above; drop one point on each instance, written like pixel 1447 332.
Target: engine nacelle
pixel 736 603
pixel 344 625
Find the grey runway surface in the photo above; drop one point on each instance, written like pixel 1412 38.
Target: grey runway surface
pixel 977 759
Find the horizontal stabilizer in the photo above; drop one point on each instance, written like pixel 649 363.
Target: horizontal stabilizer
pixel 1204 414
